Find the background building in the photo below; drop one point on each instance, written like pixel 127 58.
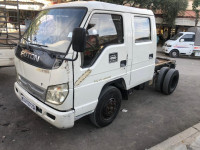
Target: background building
pixel 182 23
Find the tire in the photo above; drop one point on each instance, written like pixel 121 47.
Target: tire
pixel 160 79
pixel 174 53
pixel 107 108
pixel 170 81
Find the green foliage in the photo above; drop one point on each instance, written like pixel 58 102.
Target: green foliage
pixel 149 4
pixel 171 8
pixel 195 5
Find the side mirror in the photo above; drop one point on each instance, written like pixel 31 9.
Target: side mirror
pixel 79 39
pixel 182 40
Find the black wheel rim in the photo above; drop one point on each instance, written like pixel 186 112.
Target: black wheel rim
pixel 109 109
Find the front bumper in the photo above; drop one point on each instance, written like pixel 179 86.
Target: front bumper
pixel 165 49
pixel 58 119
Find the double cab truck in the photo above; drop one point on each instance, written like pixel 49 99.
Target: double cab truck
pixel 83 58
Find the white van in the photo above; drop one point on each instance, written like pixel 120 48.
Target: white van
pixel 184 43
pixel 181 43
pixel 83 58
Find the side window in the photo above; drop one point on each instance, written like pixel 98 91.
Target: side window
pixel 188 38
pixel 142 29
pixel 103 30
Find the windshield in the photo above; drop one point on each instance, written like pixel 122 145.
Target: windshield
pixel 175 37
pixel 53 28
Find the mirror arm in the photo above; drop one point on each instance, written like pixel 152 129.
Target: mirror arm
pixel 68 59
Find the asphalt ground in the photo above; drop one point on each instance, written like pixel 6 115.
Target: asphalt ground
pixel 151 118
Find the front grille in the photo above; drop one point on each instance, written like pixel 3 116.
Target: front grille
pixel 33 89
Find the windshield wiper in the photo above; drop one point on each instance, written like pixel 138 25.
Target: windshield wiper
pixel 40 45
pixel 29 42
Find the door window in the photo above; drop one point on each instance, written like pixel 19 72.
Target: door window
pixel 188 38
pixel 103 30
pixel 142 29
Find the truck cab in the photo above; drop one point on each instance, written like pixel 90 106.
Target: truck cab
pixel 180 44
pixel 82 58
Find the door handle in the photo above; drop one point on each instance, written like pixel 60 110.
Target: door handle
pixel 150 56
pixel 123 63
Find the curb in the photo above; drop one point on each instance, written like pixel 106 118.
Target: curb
pixel 186 140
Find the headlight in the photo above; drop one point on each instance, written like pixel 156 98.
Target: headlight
pixel 57 94
pixel 169 46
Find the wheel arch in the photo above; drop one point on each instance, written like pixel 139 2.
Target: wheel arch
pixel 175 49
pixel 118 83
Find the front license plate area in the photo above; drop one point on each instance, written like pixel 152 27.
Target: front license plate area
pixel 28 104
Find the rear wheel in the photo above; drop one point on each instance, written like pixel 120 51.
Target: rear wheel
pixel 174 53
pixel 170 81
pixel 107 107
pixel 160 79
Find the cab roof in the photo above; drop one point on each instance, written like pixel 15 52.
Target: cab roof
pixel 94 5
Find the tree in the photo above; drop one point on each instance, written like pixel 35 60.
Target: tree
pixel 149 4
pixel 195 5
pixel 171 8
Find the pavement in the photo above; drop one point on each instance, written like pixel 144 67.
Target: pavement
pixel 159 49
pixel 186 140
pixel 151 118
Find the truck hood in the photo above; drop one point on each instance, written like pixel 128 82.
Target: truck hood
pixel 170 42
pixel 36 70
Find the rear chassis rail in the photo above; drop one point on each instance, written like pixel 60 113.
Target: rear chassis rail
pixel 164 62
pixel 160 63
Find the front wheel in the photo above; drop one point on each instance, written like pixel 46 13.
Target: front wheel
pixel 174 54
pixel 107 107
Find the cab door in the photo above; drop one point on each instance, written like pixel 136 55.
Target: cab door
pixel 143 50
pixel 186 44
pixel 104 59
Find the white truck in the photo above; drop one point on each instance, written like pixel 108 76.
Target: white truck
pixel 184 43
pixel 83 58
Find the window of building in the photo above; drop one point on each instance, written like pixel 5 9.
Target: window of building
pixel 188 38
pixel 103 30
pixel 142 29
